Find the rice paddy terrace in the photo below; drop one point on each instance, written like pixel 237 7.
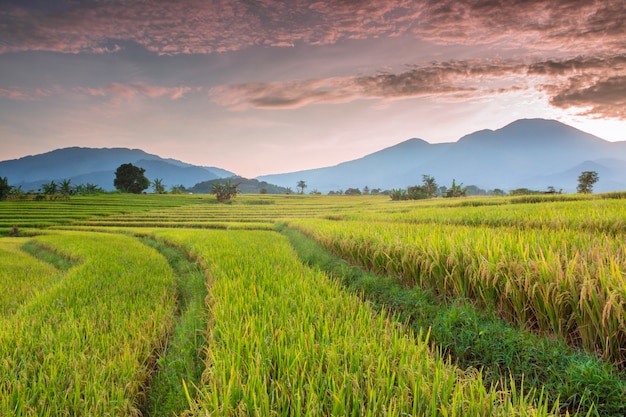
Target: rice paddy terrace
pixel 294 305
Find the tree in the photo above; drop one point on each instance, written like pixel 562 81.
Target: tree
pixel 224 192
pixel 158 186
pixel 66 188
pixel 585 182
pixel 456 190
pixel 177 189
pixel 17 192
pixel 397 194
pixel 50 188
pixel 429 186
pixel 301 185
pixel 416 192
pixel 88 189
pixel 5 188
pixel 352 191
pixel 130 179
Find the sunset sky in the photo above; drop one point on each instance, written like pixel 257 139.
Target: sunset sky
pixel 266 86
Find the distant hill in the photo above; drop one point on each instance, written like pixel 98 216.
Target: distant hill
pixel 246 186
pixel 97 166
pixel 529 153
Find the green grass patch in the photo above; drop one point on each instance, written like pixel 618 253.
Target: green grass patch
pixel 43 253
pixel 180 364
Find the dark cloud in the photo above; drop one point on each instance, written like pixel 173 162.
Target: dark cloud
pixel 605 98
pixel 593 85
pixel 579 64
pixel 596 86
pixel 449 78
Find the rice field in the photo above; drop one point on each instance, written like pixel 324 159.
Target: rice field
pixel 277 336
pixel 564 282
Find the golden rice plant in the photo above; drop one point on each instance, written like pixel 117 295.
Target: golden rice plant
pixel 562 281
pixel 286 340
pixel 85 346
pixel 21 275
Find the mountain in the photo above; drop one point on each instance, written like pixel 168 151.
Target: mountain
pixel 529 153
pixel 97 166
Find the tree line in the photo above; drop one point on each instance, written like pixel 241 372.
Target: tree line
pixel 430 189
pixel 131 179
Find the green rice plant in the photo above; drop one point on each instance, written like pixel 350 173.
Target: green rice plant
pixel 565 282
pixel 581 380
pixel 86 346
pixel 47 213
pixel 22 276
pixel 592 215
pixel 284 339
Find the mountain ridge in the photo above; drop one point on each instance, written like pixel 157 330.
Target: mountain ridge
pixel 527 153
pixel 97 166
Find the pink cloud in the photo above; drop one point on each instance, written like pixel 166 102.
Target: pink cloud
pixel 26 94
pixel 14 94
pixel 604 98
pixel 450 78
pixel 567 25
pixel 197 26
pixel 130 91
pixel 595 85
pixel 117 91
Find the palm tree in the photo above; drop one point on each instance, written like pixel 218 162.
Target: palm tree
pixel 50 189
pixel 66 188
pixel 301 185
pixel 224 192
pixel 158 186
pixel 430 185
pixel 177 189
pixel 456 190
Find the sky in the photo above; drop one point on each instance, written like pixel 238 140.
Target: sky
pixel 266 86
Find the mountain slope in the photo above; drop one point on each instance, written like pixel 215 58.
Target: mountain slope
pixel 531 153
pixel 381 169
pixel 97 166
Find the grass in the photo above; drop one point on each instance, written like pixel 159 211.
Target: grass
pixel 180 365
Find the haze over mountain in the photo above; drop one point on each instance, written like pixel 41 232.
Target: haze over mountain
pixel 97 166
pixel 528 153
